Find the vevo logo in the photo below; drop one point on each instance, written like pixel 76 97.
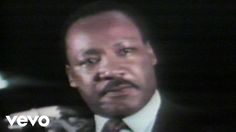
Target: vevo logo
pixel 22 120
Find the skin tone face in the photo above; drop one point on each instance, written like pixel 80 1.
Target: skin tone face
pixel 109 64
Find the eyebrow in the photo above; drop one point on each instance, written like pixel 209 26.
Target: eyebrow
pixel 120 43
pixel 129 38
pixel 90 52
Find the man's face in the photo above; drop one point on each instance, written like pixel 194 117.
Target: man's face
pixel 109 64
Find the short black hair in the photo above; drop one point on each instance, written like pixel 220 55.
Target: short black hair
pixel 101 6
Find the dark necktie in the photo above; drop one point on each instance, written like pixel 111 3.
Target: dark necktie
pixel 114 125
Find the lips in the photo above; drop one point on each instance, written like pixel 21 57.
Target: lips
pixel 119 87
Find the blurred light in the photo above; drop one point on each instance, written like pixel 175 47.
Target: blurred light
pixel 3 83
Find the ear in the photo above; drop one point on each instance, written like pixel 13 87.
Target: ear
pixel 151 53
pixel 70 76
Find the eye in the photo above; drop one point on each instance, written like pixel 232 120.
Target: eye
pixel 89 61
pixel 126 51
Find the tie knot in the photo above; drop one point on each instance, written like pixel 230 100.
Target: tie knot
pixel 114 125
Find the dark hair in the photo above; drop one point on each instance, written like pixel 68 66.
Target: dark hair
pixel 104 6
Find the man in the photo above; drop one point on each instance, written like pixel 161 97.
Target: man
pixel 111 64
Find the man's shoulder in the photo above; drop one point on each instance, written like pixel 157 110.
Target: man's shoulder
pixel 173 117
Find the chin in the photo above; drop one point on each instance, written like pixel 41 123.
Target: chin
pixel 118 111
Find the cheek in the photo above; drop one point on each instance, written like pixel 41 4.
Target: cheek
pixel 147 70
pixel 83 76
pixel 142 69
pixel 86 88
pixel 84 82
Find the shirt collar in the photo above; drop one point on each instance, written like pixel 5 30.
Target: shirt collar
pixel 99 122
pixel 146 116
pixel 139 121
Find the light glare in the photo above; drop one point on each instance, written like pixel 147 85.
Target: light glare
pixel 3 83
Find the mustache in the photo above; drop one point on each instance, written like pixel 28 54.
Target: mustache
pixel 114 83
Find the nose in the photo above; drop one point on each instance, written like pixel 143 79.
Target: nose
pixel 111 68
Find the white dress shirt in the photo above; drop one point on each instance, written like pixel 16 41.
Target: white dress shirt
pixel 141 121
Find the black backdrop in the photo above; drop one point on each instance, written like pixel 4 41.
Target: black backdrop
pixel 194 43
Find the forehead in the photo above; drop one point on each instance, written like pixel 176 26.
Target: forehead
pixel 104 27
pixel 98 22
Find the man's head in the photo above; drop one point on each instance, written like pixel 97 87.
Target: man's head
pixel 110 63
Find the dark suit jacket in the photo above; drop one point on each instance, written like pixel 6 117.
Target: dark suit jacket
pixel 171 118
pixel 177 118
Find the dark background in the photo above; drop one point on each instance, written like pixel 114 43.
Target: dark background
pixel 194 42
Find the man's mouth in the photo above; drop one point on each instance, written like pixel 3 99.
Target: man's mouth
pixel 117 85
